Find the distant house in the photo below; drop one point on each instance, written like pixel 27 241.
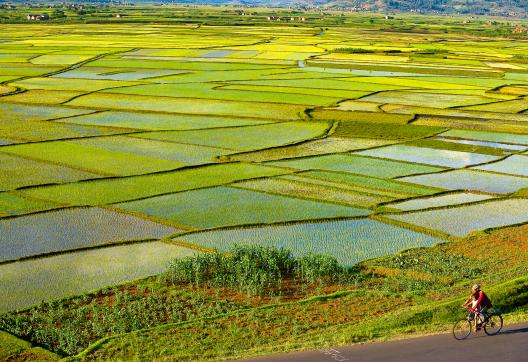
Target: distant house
pixel 278 18
pixel 389 17
pixel 38 17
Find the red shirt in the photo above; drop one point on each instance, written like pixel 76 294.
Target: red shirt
pixel 483 300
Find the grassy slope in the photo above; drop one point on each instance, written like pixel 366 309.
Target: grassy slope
pixel 15 349
pixel 417 291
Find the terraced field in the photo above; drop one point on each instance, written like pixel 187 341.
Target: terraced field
pixel 341 141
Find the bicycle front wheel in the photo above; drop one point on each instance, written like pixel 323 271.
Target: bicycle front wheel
pixel 493 325
pixel 462 329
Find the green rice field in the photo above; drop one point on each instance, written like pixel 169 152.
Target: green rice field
pixel 28 282
pixel 463 219
pixel 119 139
pixel 234 207
pixel 72 228
pixel 349 241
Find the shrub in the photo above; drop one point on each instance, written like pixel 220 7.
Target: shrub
pixel 253 270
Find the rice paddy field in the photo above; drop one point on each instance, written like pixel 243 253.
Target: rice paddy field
pixel 125 146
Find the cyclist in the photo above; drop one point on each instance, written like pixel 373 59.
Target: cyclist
pixel 480 304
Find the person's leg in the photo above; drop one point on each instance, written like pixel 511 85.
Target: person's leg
pixel 483 314
pixel 480 319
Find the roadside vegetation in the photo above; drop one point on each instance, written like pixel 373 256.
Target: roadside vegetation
pixel 243 302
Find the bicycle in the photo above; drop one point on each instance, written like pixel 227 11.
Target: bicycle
pixel 492 324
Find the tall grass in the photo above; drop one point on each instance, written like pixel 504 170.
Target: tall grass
pixel 254 270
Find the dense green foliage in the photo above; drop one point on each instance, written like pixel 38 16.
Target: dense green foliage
pixel 254 270
pixel 68 328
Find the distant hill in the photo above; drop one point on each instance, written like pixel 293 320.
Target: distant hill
pixel 476 7
pixel 508 8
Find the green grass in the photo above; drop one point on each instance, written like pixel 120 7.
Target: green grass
pixel 322 84
pixel 21 131
pixel 310 189
pixel 459 147
pixel 17 70
pixel 475 124
pixel 91 158
pixel 438 201
pixel 39 96
pixel 127 74
pixel 431 99
pixel 10 345
pixel 19 172
pixel 169 298
pixel 233 206
pixel 514 106
pixel 246 138
pixel 382 131
pixel 173 64
pixel 85 85
pixel 298 90
pixel 359 116
pixel 12 204
pixel 206 91
pixel 189 106
pixel 435 84
pixel 231 75
pixel 358 165
pixel 14 112
pixel 170 151
pixel 117 190
pixel 60 59
pixel 311 148
pixel 13 348
pixel 158 121
pixel 372 185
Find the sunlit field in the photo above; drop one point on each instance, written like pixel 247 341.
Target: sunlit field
pixel 125 146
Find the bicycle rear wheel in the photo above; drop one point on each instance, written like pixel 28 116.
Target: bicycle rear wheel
pixel 462 329
pixel 493 325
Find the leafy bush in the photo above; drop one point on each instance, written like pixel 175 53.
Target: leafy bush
pixel 254 269
pixel 315 268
